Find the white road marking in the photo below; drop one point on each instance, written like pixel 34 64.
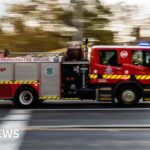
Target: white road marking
pixel 91 109
pixel 18 120
pixel 93 126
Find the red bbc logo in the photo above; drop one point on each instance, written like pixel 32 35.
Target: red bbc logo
pixel 2 69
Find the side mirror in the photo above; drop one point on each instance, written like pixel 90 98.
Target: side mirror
pixel 148 63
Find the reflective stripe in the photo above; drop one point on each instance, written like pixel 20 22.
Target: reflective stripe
pixel 146 99
pixel 148 77
pixel 116 76
pixel 146 90
pixel 18 82
pixel 56 98
pixel 105 99
pixel 93 76
pixel 126 77
pixel 6 82
pixel 138 77
pixel 108 76
pixel 27 82
pixel 142 77
pixel 113 76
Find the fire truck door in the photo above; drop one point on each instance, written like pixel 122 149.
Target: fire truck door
pixel 109 62
pixel 50 79
pixel 141 65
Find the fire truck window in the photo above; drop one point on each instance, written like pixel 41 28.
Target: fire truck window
pixel 147 58
pixel 108 58
pixel 137 58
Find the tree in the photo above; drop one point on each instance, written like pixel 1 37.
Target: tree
pixel 47 25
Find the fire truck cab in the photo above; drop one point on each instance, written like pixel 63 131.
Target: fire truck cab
pixel 124 70
pixel 120 74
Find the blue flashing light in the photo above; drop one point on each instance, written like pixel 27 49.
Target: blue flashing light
pixel 143 43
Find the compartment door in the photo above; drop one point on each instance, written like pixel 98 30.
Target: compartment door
pixel 50 79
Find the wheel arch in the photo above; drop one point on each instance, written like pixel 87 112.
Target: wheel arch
pixel 129 83
pixel 33 97
pixel 25 86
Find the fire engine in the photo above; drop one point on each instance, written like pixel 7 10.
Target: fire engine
pixel 120 74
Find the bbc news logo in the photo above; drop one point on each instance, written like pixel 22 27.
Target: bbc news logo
pixel 9 133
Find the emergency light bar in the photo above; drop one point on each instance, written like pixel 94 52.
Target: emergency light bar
pixel 143 43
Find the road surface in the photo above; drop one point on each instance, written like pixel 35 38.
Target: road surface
pixel 76 125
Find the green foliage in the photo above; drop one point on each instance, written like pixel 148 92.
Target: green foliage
pixel 105 37
pixel 32 41
pixel 23 9
pixel 88 14
pixel 66 17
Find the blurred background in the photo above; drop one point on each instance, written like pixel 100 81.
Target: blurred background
pixel 45 25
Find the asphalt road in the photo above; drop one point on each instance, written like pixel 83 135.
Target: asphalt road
pixel 76 125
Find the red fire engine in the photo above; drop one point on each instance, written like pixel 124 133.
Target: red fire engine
pixel 120 74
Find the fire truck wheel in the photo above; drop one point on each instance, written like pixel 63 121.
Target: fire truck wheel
pixel 25 97
pixel 127 96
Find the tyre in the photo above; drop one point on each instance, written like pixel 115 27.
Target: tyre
pixel 25 97
pixel 128 96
